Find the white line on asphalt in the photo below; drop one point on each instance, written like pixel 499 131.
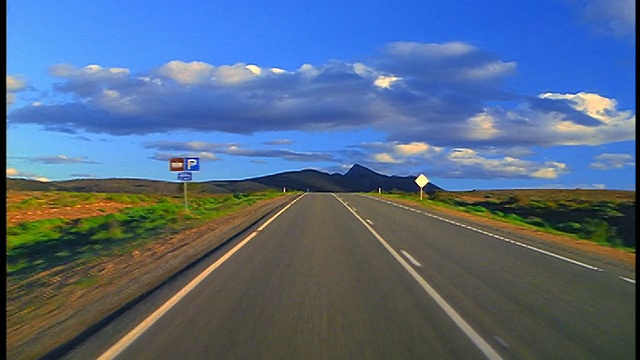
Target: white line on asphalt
pixel 411 259
pixel 128 339
pixel 590 267
pixel 369 221
pixel 478 341
pixel 501 342
pixel 627 279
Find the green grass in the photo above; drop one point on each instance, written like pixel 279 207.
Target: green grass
pixel 36 246
pixel 606 222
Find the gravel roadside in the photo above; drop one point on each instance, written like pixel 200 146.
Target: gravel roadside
pixel 48 313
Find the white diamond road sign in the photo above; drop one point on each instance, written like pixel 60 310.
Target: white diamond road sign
pixel 422 180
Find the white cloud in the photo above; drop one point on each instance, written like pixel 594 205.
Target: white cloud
pixel 174 148
pixel 454 163
pixel 553 170
pixel 386 158
pixel 609 17
pixel 413 148
pixel 385 82
pixel 279 142
pixel 470 163
pixel 363 70
pixel 462 154
pixel 482 127
pixel 61 159
pixel 594 105
pixel 234 74
pixel 308 70
pixel 491 70
pixel 14 173
pixel 11 98
pixel 278 71
pixel 14 84
pixel 200 145
pixel 446 50
pixel 87 72
pixel 254 69
pixel 443 101
pixel 609 124
pixel 187 73
pixel 203 155
pixel 609 161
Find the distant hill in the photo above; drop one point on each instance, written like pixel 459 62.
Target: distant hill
pixel 357 179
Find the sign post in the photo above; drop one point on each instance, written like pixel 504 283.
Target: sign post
pixel 421 181
pixel 185 166
pixel 185 176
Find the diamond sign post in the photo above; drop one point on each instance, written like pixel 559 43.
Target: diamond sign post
pixel 422 181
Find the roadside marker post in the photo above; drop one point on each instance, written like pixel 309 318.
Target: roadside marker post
pixel 185 176
pixel 421 181
pixel 185 166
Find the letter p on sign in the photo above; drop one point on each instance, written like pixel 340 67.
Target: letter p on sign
pixel 192 164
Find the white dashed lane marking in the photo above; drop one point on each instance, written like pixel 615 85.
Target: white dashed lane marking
pixel 411 259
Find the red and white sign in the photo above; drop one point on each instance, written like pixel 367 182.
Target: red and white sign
pixel 176 164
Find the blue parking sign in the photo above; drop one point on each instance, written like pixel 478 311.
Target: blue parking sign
pixel 192 164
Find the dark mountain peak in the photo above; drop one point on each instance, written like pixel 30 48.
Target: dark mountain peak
pixel 359 171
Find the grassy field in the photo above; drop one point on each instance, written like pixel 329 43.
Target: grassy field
pixel 605 217
pixel 56 228
pixel 48 229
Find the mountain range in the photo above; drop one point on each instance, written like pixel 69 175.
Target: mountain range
pixel 357 179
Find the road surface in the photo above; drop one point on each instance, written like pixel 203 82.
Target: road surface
pixel 346 276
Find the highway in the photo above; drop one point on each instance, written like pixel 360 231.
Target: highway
pixel 347 276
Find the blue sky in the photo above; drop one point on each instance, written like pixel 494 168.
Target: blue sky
pixel 475 95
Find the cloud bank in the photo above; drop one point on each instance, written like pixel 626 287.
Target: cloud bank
pixel 414 92
pixel 608 17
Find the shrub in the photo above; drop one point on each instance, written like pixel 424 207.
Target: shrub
pixel 476 209
pixel 536 221
pixel 598 230
pixel 514 217
pixel 571 227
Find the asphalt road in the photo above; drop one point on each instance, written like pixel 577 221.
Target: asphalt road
pixel 345 276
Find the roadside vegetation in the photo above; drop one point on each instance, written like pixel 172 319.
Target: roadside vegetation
pixel 35 246
pixel 66 250
pixel 605 217
pixel 42 243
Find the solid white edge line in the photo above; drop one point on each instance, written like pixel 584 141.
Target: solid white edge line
pixel 128 339
pixel 575 262
pixel 477 340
